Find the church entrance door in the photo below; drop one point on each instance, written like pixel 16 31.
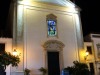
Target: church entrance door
pixel 53 63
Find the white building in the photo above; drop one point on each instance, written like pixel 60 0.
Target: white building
pixel 92 45
pixel 45 30
pixel 6 45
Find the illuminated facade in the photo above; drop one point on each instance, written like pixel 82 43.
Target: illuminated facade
pixel 45 29
pixel 92 45
pixel 6 45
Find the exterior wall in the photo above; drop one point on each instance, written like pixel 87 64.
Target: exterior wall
pixel 96 41
pixel 97 58
pixel 94 58
pixel 31 34
pixel 36 34
pixel 91 57
pixel 8 48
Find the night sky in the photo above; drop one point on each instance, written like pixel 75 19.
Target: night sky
pixel 4 10
pixel 90 15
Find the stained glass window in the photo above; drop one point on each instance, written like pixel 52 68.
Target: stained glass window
pixel 52 25
pixel 52 28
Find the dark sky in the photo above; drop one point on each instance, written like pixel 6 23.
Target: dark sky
pixel 4 9
pixel 90 15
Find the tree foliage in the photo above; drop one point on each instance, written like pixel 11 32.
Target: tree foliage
pixel 78 69
pixel 6 58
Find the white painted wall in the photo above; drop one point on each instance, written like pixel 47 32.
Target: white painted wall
pixel 35 34
pixel 30 32
pixel 95 39
pixel 95 42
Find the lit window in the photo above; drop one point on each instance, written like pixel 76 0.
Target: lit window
pixel 89 49
pixel 52 25
pixel 52 28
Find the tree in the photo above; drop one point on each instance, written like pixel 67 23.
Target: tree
pixel 78 69
pixel 6 58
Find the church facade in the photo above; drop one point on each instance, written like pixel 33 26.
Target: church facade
pixel 46 33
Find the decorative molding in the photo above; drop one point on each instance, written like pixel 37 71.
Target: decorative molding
pixel 53 45
pixel 51 17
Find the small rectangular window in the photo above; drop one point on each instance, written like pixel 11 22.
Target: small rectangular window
pixel 89 49
pixel 2 47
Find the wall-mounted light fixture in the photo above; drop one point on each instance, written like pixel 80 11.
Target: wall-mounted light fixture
pixel 86 55
pixel 16 53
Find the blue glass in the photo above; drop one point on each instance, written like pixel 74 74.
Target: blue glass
pixel 51 28
pixel 51 22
